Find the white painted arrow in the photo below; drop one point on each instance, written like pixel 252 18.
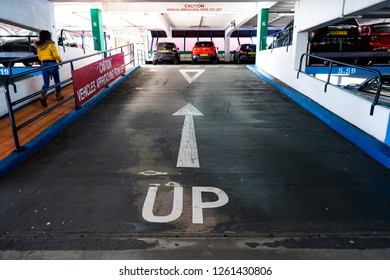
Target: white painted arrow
pixel 188 152
pixel 193 78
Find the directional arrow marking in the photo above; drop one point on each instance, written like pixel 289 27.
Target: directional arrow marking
pixel 188 152
pixel 193 78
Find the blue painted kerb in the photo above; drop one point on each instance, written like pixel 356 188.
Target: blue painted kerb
pixel 16 158
pixel 364 141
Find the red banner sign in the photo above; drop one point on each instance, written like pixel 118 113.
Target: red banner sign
pixel 89 80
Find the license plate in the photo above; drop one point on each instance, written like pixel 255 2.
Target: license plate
pixel 388 50
pixel 339 32
pixel 165 51
pixel 251 52
pixel 204 54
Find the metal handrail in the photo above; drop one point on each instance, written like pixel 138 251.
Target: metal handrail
pixel 141 56
pixel 10 81
pixel 330 67
pixel 289 42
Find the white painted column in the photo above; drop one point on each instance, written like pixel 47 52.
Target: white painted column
pixel 227 48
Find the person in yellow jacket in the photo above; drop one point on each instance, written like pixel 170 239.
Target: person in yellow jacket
pixel 48 55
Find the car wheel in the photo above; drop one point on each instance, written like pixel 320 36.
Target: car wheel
pixel 28 63
pixel 360 61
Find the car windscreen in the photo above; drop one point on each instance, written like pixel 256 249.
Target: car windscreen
pixel 371 86
pixel 204 44
pixel 250 48
pixel 381 28
pixel 165 47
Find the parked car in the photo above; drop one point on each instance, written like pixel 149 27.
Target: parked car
pixel 65 38
pixel 167 52
pixel 339 37
pixel 4 34
pixel 370 86
pixel 378 40
pixel 284 37
pixel 245 53
pixel 19 43
pixel 204 51
pixel 337 40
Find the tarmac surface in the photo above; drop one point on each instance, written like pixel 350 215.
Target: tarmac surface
pixel 196 162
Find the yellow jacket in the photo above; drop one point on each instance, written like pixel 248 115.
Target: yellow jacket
pixel 47 51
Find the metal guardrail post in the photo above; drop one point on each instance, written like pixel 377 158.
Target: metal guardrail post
pixel 330 68
pixel 12 116
pixel 10 80
pixel 331 62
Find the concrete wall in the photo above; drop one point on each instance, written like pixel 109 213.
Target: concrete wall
pixel 311 14
pixel 36 15
pixel 282 63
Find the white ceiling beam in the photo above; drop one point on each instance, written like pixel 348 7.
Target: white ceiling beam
pixel 238 22
pixel 166 24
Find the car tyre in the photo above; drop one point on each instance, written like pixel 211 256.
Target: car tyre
pixel 28 63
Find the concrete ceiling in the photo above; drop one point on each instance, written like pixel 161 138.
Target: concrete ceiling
pixel 171 15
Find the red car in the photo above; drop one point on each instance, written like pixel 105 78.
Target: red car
pixel 204 51
pixel 379 36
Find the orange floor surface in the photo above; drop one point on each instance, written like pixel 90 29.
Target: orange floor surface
pixel 27 133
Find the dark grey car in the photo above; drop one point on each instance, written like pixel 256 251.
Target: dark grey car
pixel 245 53
pixel 166 52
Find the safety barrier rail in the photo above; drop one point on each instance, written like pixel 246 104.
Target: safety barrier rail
pixel 67 38
pixel 330 67
pixel 10 80
pixel 282 38
pixel 141 57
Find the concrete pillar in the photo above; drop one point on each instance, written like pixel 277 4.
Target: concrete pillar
pixel 227 48
pixel 169 34
pixel 262 28
pixel 97 29
pixel 51 24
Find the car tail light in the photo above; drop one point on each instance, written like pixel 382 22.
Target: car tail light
pixel 242 52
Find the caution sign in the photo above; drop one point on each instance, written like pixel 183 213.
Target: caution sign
pixel 89 80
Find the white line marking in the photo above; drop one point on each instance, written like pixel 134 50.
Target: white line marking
pixel 193 78
pixel 188 152
pixel 198 204
pixel 177 208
